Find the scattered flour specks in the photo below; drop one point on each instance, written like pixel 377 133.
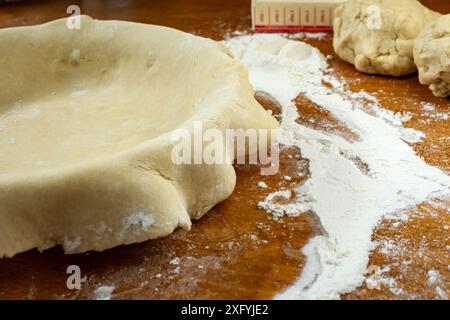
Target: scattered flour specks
pixel 279 210
pixel 429 111
pixel 104 292
pixel 433 276
pixel 441 294
pixel 262 185
pixel 347 201
pixel 428 107
pixel 377 278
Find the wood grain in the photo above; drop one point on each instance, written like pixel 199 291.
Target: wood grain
pixel 237 251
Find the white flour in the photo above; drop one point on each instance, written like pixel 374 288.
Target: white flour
pixel 347 200
pixel 104 292
pixel 309 35
pixel 262 185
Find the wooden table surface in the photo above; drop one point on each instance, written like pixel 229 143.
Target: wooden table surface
pixel 236 251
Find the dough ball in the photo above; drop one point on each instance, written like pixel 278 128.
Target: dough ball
pixel 377 35
pixel 432 56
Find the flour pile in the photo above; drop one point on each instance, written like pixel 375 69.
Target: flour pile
pixel 104 292
pixel 347 200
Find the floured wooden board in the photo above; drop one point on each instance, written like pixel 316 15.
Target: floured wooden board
pixel 237 251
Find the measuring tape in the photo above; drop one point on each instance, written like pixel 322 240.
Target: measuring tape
pixel 293 15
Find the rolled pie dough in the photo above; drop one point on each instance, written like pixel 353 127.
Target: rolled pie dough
pixel 376 36
pixel 85 132
pixel 432 56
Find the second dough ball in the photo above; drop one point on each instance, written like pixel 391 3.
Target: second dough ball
pixel 377 35
pixel 432 56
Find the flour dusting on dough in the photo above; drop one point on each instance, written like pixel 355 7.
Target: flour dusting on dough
pixel 141 220
pixel 72 244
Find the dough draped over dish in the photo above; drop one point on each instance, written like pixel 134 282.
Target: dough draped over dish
pixel 86 123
